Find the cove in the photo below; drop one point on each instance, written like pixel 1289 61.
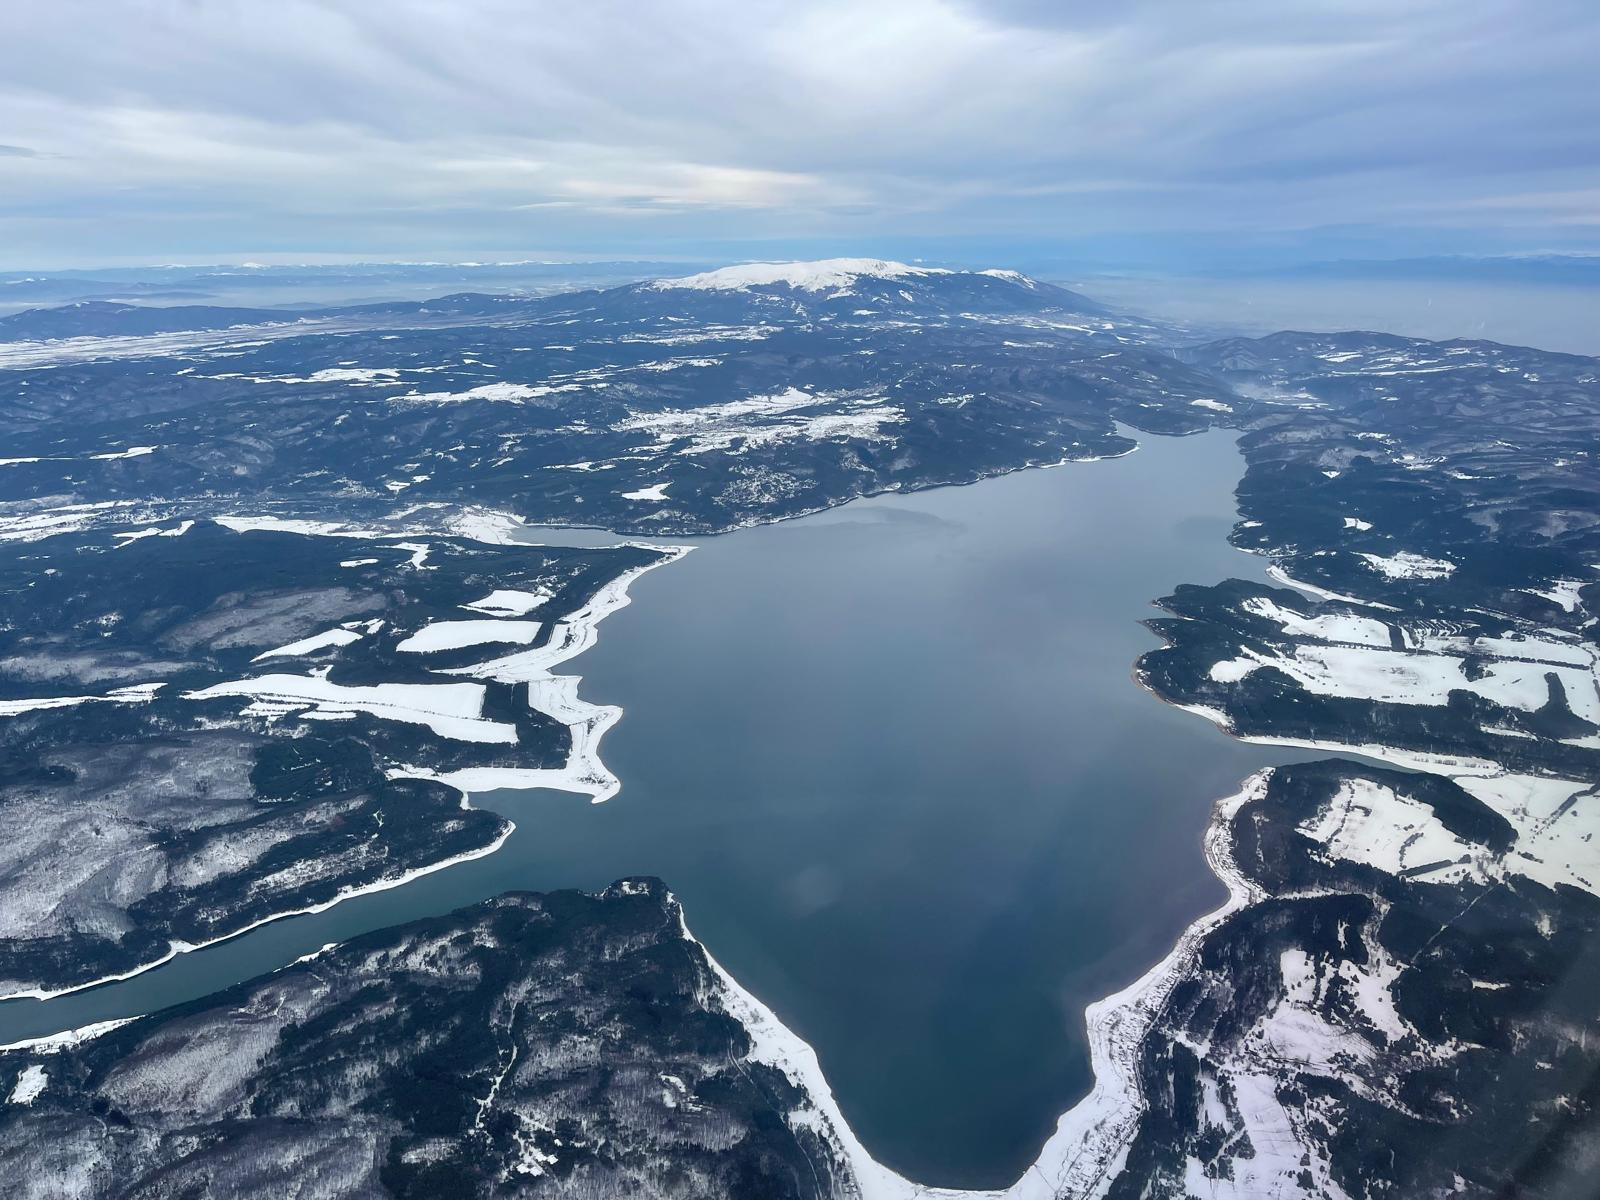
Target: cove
pixel 892 759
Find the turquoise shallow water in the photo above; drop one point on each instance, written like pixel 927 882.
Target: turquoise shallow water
pixel 892 759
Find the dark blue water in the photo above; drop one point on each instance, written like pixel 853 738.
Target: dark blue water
pixel 893 761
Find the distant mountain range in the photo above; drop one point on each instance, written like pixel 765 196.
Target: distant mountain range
pixel 830 288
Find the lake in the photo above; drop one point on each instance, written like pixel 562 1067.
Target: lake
pixel 892 759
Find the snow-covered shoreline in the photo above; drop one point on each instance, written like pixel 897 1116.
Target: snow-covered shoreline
pixel 556 696
pixel 553 695
pixel 1091 1138
pixel 346 893
pixel 1078 1160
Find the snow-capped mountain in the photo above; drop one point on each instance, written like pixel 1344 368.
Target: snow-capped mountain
pixel 847 288
pixel 824 274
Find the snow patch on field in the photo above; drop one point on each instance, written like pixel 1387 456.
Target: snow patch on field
pixel 309 645
pixel 508 602
pixel 452 710
pixel 1406 565
pixel 1280 575
pixel 1562 592
pixel 47 522
pixel 139 693
pixel 1326 627
pixel 790 415
pixel 128 537
pixel 456 635
pixel 1556 820
pixel 1417 677
pixel 1366 822
pixel 29 1085
pixel 502 393
pixel 1511 645
pixel 293 525
pixel 346 375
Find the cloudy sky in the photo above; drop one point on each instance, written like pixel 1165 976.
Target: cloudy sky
pixel 187 129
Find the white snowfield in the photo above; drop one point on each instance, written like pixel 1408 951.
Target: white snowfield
pixel 1347 654
pixel 790 415
pixel 29 1085
pixel 827 274
pixel 107 456
pixel 344 375
pixel 1405 565
pixel 130 536
pixel 508 602
pixel 1550 645
pixel 62 518
pixel 1554 820
pixel 1277 573
pixel 92 348
pixel 138 693
pixel 1009 276
pixel 1368 823
pixel 293 525
pixel 504 393
pixel 1562 592
pixel 1327 627
pixel 457 635
pixel 452 710
pixel 490 526
pixel 339 636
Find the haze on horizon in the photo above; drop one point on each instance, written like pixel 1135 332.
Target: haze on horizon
pixel 207 130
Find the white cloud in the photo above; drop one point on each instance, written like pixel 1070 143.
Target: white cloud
pixel 541 121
